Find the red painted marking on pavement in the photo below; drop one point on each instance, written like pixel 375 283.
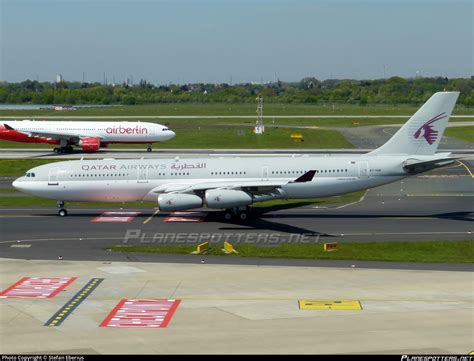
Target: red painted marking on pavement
pixel 183 219
pixel 170 313
pixel 189 214
pixel 112 219
pixel 116 217
pixel 112 313
pixel 149 313
pixel 186 217
pixel 121 213
pixel 13 286
pixel 37 287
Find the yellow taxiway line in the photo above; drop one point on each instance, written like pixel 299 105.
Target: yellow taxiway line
pixel 150 218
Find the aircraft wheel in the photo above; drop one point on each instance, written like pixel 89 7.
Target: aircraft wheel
pixel 69 149
pixel 56 150
pixel 243 216
pixel 149 149
pixel 62 212
pixel 63 150
pixel 228 215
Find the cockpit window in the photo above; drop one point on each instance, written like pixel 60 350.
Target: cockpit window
pixel 30 174
pixel 165 129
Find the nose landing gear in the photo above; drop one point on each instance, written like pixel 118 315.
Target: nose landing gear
pixel 149 148
pixel 62 212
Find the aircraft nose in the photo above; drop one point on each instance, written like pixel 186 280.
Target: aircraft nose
pixel 172 134
pixel 17 184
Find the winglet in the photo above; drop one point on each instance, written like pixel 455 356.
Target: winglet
pixel 307 177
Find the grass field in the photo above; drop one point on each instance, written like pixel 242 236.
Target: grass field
pixel 208 136
pixel 233 109
pixel 18 167
pixel 9 201
pixel 430 251
pixel 463 133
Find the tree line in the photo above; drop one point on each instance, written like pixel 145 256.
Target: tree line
pixel 394 90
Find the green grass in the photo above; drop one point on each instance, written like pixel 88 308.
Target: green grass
pixel 18 167
pixel 232 109
pixel 416 251
pixel 209 136
pixel 8 191
pixel 44 202
pixel 343 198
pixel 244 138
pixel 463 133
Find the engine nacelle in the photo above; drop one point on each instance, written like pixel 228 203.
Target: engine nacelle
pixel 89 144
pixel 178 202
pixel 227 198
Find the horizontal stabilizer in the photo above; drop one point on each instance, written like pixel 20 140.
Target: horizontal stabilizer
pixel 414 166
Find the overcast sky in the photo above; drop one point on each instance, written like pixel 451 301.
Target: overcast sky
pixel 182 41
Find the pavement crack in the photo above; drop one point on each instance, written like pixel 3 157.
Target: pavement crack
pixel 175 290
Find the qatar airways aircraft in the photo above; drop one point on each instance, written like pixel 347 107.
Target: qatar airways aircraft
pixel 235 183
pixel 90 136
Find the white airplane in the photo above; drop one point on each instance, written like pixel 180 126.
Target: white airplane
pixel 235 183
pixel 90 136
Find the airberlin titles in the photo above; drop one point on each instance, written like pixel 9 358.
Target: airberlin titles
pixel 127 130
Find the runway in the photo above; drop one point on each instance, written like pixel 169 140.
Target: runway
pixel 438 205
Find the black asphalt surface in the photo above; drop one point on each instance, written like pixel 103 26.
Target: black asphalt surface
pixel 438 205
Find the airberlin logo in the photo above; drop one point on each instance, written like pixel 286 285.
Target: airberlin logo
pixel 427 131
pixel 127 130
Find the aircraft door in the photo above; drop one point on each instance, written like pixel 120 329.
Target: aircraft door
pixel 142 176
pixel 363 169
pixel 53 179
pixel 265 172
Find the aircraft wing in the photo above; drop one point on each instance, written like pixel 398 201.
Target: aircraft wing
pixel 251 186
pixel 52 134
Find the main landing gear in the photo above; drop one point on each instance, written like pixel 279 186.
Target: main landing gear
pixel 149 148
pixel 66 149
pixel 62 211
pixel 241 213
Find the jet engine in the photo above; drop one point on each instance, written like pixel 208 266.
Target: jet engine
pixel 178 202
pixel 89 144
pixel 227 198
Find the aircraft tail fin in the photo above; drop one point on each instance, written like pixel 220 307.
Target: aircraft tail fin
pixel 422 133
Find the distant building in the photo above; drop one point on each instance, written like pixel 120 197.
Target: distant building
pixel 59 78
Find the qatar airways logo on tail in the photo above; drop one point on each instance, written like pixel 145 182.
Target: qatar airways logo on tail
pixel 127 130
pixel 427 131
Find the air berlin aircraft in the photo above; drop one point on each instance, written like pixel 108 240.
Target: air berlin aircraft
pixel 90 136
